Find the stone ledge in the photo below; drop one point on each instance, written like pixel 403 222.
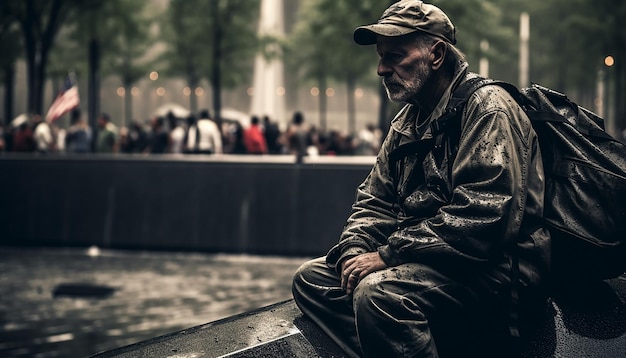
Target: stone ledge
pixel 588 321
pixel 278 330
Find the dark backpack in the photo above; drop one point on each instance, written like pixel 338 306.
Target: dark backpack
pixel 585 179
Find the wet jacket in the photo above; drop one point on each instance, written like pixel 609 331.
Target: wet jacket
pixel 474 210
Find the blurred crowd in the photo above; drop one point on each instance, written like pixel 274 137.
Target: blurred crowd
pixel 195 134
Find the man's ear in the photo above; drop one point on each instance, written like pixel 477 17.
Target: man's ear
pixel 438 54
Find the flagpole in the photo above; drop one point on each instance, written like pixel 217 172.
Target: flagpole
pixel 523 51
pixel 484 61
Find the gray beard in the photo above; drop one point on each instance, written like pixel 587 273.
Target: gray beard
pixel 396 94
pixel 399 91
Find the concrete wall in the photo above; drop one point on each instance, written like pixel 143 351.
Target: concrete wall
pixel 193 203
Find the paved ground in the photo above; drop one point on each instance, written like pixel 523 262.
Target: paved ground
pixel 155 294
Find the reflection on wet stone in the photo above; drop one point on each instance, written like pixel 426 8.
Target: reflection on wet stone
pixel 65 303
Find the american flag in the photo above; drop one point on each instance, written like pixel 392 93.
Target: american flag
pixel 66 100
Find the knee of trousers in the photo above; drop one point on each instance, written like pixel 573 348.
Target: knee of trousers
pixel 380 298
pixel 305 272
pixel 299 280
pixel 373 298
pixel 309 279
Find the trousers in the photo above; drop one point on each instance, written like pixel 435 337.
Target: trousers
pixel 410 310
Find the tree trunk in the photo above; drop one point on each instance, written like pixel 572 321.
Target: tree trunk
pixel 40 78
pixel 29 44
pixel 350 87
pixel 322 103
pixel 192 82
pixel 9 84
pixel 94 81
pixel 193 99
pixel 128 104
pixel 38 46
pixel 216 75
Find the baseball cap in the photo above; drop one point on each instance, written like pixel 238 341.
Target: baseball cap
pixel 405 17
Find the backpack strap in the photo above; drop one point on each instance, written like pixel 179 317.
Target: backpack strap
pixel 459 99
pixel 456 104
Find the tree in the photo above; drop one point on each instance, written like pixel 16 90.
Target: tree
pixel 184 35
pixel 485 20
pixel 611 14
pixel 351 63
pixel 95 41
pixel 310 61
pixel 567 54
pixel 90 26
pixel 11 50
pixel 596 28
pixel 130 45
pixel 40 21
pixel 326 27
pixel 214 40
pixel 232 45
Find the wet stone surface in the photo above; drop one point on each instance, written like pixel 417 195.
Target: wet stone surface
pixel 64 303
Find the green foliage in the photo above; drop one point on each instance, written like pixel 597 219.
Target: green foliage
pixel 321 44
pixel 569 38
pixel 217 39
pixel 121 29
pixel 132 43
pixel 183 33
pixel 477 21
pixel 190 30
pixel 9 42
pixel 569 51
pixel 39 22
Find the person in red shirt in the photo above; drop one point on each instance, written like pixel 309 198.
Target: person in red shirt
pixel 253 138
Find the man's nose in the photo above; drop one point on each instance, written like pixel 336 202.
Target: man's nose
pixel 383 70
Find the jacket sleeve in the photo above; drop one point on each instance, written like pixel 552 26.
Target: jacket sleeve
pixel 488 189
pixel 372 219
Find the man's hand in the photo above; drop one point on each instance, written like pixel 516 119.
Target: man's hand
pixel 357 267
